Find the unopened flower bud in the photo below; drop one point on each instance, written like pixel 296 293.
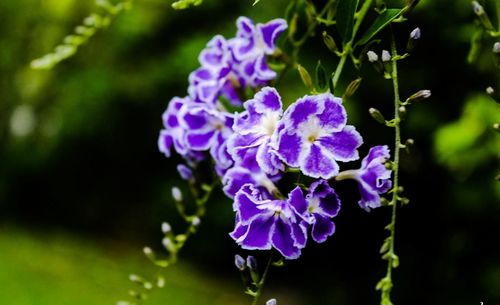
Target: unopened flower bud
pixel 408 145
pixel 185 172
pixel 496 47
pixel 496 126
pixel 271 302
pixel 168 244
pixel 352 88
pixel 251 262
pixel 166 228
pixel 330 42
pixel 386 56
pixel 419 96
pixel 147 251
pixel 415 34
pixel 377 115
pixel 195 221
pixel 176 194
pixel 477 8
pixel 405 201
pixel 412 41
pixel 239 262
pixel 372 56
pixel 402 112
pixel 386 60
pixel 483 17
pixel 306 77
pixel 490 91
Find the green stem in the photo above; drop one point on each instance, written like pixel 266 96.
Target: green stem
pixel 260 284
pixel 312 26
pixel 348 46
pixel 386 289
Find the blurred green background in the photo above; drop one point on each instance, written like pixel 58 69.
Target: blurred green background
pixel 83 187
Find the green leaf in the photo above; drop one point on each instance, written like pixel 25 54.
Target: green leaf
pixel 345 18
pixel 320 76
pixel 381 22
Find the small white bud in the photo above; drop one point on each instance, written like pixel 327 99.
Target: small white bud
pixel 251 262
pixel 372 56
pixel 168 244
pixel 386 56
pixel 415 34
pixel 271 302
pixel 490 90
pixel 122 303
pixel 147 250
pixel 496 48
pixel 176 194
pixel 195 221
pixel 166 228
pixel 134 278
pixel 478 8
pixel 239 262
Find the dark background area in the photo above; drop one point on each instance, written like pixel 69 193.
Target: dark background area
pixel 86 161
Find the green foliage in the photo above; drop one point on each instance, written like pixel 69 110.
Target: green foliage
pixel 55 268
pixel 345 18
pixel 470 141
pixel 82 34
pixel 184 4
pixel 381 22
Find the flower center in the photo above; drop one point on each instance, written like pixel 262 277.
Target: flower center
pixel 269 123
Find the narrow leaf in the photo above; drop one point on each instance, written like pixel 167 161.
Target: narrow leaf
pixel 320 76
pixel 381 22
pixel 345 18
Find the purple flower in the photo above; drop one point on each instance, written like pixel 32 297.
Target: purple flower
pixel 250 47
pixel 320 205
pixel 373 177
pixel 256 40
pixel 266 223
pixel 173 134
pixel 313 135
pixel 255 129
pixel 204 125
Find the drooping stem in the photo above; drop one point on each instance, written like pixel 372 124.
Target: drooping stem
pixel 392 259
pixel 262 280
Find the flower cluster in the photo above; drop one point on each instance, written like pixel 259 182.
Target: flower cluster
pixel 253 150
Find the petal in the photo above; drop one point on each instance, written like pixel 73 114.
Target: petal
pixel 299 233
pixel 165 142
pixel 376 153
pixel 300 111
pixel 297 201
pixel 334 116
pixel 258 234
pixel 322 228
pixel 266 158
pixel 270 32
pixel 201 140
pixel 343 145
pixel 239 229
pixel 289 148
pixel 317 163
pixel 245 27
pixel 329 202
pixel 246 206
pixel 234 179
pixel 267 99
pixel 370 199
pixel 282 240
